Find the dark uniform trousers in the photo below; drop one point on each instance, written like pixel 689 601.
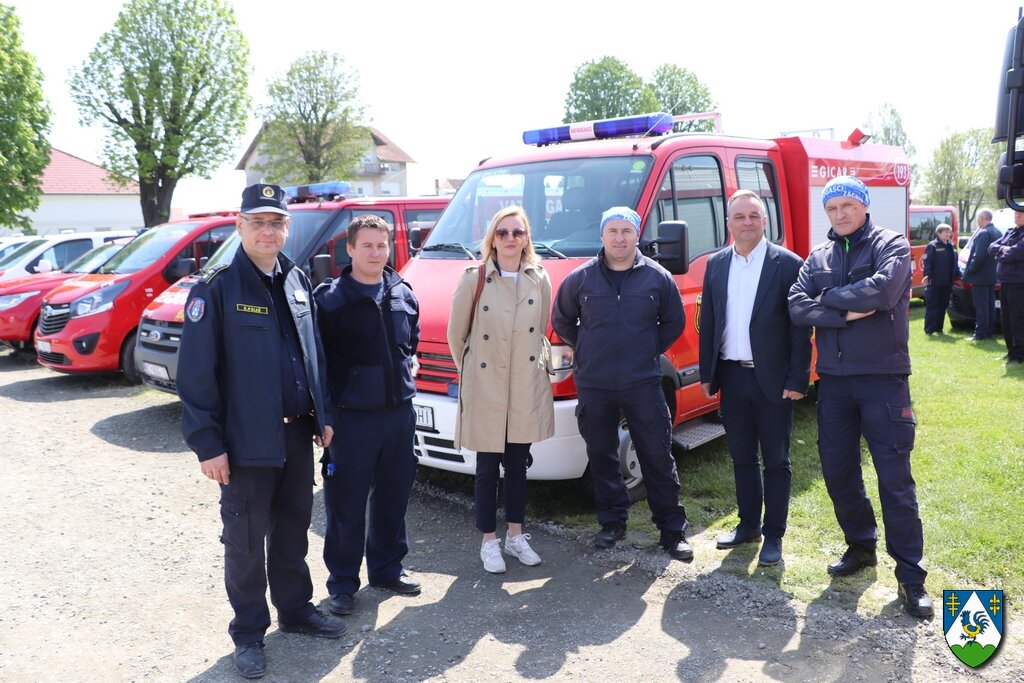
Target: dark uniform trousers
pixel 271 504
pixel 936 301
pixel 1011 311
pixel 376 461
pixel 751 420
pixel 984 299
pixel 650 427
pixel 877 407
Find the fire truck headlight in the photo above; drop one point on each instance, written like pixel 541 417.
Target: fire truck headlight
pixel 561 362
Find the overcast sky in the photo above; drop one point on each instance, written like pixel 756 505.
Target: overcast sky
pixel 454 82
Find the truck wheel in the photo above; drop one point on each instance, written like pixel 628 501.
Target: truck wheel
pixel 131 373
pixel 630 466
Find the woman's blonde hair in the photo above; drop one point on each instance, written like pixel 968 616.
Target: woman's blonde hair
pixel 487 246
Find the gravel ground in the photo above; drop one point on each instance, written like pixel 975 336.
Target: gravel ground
pixel 111 570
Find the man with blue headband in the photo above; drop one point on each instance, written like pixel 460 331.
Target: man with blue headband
pixel 854 289
pixel 620 311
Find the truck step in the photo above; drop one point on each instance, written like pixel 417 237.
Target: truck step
pixel 696 433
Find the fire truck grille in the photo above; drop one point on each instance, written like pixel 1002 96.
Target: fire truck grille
pixel 54 358
pixel 53 319
pixel 443 449
pixel 160 335
pixel 436 371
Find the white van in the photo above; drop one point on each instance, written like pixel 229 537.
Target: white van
pixel 12 242
pixel 53 252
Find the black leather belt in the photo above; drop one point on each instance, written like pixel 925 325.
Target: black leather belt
pixel 289 420
pixel 742 363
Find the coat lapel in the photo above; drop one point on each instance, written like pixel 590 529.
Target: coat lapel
pixel 720 284
pixel 768 270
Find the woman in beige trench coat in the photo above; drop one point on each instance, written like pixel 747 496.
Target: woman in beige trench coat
pixel 503 357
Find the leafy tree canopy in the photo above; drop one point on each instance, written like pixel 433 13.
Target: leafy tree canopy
pixel 169 83
pixel 963 172
pixel 24 124
pixel 607 88
pixel 678 91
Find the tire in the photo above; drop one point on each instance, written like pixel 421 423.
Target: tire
pixel 631 473
pixel 128 368
pixel 29 345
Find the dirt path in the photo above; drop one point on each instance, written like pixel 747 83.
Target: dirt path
pixel 111 570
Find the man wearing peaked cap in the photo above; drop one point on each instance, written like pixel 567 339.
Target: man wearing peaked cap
pixel 254 430
pixel 854 289
pixel 632 316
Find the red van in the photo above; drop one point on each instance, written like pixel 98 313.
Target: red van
pixel 921 231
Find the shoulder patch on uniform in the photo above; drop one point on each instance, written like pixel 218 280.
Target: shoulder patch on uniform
pixel 196 308
pixel 214 272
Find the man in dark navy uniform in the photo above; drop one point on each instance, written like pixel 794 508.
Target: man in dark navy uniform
pixel 940 266
pixel 251 379
pixel 369 323
pixel 620 311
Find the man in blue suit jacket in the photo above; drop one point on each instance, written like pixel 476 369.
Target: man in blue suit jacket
pixel 751 351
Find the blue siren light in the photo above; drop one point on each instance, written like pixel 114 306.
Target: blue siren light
pixel 644 124
pixel 336 187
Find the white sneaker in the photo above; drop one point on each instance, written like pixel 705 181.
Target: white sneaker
pixel 519 548
pixel 490 553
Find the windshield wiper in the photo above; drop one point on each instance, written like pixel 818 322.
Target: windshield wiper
pixel 455 247
pixel 545 249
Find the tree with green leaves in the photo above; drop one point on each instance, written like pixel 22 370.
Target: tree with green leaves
pixel 313 122
pixel 24 124
pixel 963 172
pixel 607 88
pixel 679 91
pixel 169 83
pixel 885 125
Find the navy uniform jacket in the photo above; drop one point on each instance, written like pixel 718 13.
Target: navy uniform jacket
pixel 618 338
pixel 371 347
pixel 981 267
pixel 940 262
pixel 781 349
pixel 228 376
pixel 868 270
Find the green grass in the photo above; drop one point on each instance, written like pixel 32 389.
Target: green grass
pixel 968 462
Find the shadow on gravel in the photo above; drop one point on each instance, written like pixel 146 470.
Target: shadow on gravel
pixel 154 429
pixel 54 388
pixel 11 361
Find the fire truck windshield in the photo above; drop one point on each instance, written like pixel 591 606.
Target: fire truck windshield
pixel 564 199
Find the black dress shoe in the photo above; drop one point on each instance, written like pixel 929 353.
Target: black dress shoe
pixel 675 543
pixel 916 600
pixel 771 552
pixel 316 624
pixel 250 660
pixel 341 604
pixel 402 585
pixel 609 534
pixel 853 560
pixel 738 537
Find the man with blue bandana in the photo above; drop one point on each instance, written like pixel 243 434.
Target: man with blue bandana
pixel 854 289
pixel 620 311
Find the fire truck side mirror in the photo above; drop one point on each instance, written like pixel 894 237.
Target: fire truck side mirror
pixel 1010 119
pixel 321 268
pixel 672 247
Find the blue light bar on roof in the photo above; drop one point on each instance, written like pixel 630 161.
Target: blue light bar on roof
pixel 645 124
pixel 335 187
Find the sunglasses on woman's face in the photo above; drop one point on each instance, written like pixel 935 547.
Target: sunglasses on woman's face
pixel 503 234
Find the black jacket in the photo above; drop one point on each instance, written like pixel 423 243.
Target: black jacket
pixel 618 338
pixel 1009 265
pixel 873 275
pixel 370 348
pixel 781 349
pixel 981 267
pixel 940 262
pixel 229 381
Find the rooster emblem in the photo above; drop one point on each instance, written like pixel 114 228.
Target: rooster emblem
pixel 972 631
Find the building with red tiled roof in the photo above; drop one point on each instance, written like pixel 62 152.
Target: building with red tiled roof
pixel 80 195
pixel 382 171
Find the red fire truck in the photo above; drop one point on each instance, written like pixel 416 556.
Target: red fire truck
pixel 318 228
pixel 564 183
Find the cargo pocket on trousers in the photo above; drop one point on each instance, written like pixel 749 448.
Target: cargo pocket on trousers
pixel 579 416
pixel 903 424
pixel 235 515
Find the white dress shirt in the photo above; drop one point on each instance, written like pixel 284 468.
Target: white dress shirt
pixel 744 274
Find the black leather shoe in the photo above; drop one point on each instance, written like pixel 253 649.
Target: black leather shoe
pixel 250 660
pixel 771 552
pixel 738 537
pixel 402 585
pixel 316 624
pixel 341 604
pixel 916 600
pixel 853 560
pixel 675 543
pixel 609 534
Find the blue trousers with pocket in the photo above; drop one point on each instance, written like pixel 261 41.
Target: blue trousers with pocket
pixel 269 508
pixel 367 496
pixel 878 408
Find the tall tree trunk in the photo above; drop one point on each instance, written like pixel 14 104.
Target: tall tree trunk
pixel 155 199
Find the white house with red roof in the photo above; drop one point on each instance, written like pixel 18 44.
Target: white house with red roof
pixel 382 171
pixel 82 196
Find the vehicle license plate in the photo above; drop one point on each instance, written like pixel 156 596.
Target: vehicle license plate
pixel 43 346
pixel 157 371
pixel 424 417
